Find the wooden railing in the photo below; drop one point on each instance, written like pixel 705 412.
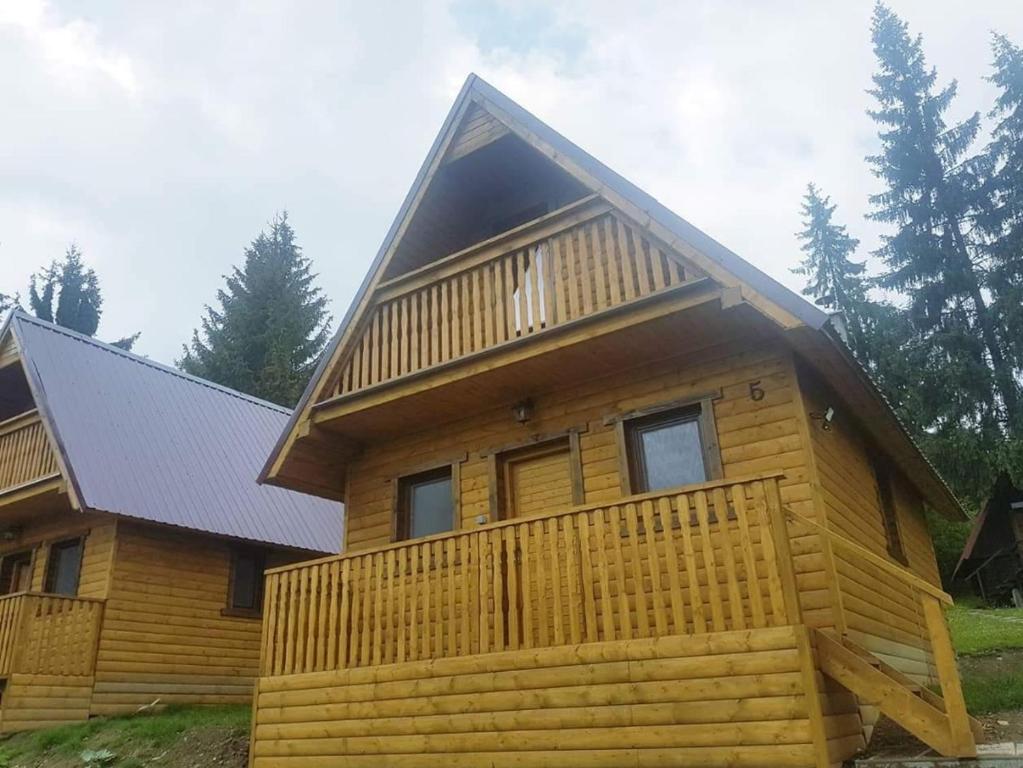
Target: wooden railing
pixel 710 558
pixel 44 634
pixel 574 263
pixel 25 454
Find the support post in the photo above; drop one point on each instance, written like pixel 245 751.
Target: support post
pixel 948 675
pixel 783 551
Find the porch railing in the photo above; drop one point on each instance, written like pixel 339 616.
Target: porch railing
pixel 707 558
pixel 25 454
pixel 43 634
pixel 576 262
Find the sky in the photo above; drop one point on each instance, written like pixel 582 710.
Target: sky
pixel 162 137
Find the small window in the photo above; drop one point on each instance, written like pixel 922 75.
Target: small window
pixel 425 505
pixel 666 450
pixel 64 567
pixel 16 573
pixel 889 515
pixel 245 590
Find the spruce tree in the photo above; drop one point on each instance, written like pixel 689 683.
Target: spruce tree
pixel 1003 218
pixel 75 289
pixel 270 326
pixel 7 302
pixel 834 281
pixel 934 193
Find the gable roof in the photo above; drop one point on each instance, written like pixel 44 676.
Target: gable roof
pixel 790 310
pixel 146 441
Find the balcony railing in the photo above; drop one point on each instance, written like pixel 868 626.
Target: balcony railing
pixel 576 262
pixel 708 558
pixel 25 455
pixel 43 634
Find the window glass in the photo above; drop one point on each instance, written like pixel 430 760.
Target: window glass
pixel 16 573
pixel 429 507
pixel 886 501
pixel 247 581
pixel 64 568
pixel 667 451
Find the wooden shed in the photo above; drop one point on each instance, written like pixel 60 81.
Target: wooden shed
pixel 133 536
pixel 992 559
pixel 614 497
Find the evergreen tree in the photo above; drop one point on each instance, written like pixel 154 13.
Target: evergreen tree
pixel 1003 218
pixel 75 288
pixel 7 302
pixel 271 326
pixel 934 193
pixel 834 281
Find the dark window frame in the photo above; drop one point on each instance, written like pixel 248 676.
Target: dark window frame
pixel 260 558
pixel 699 409
pixel 6 578
pixel 49 585
pixel 402 515
pixel 889 512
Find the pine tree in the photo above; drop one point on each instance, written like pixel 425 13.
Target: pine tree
pixel 7 302
pixel 76 290
pixel 271 326
pixel 1003 218
pixel 834 281
pixel 934 192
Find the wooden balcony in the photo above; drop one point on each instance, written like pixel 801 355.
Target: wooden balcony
pixel 43 634
pixel 486 311
pixel 708 559
pixel 25 455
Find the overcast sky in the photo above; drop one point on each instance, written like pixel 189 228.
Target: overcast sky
pixel 161 137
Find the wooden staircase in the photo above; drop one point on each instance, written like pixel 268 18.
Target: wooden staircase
pixel 941 723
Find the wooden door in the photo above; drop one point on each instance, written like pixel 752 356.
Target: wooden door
pixel 537 480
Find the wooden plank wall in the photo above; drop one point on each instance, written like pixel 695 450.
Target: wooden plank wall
pixel 883 613
pixel 44 701
pixel 164 636
pixel 729 699
pixel 754 435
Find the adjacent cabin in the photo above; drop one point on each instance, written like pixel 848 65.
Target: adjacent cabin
pixel 613 497
pixel 133 535
pixel 992 559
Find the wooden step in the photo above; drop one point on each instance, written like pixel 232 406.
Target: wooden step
pixel 872 684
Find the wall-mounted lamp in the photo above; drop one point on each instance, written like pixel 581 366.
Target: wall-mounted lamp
pixel 523 411
pixel 825 418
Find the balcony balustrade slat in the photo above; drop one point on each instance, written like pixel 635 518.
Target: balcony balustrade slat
pixel 595 263
pixel 584 575
pixel 25 454
pixel 48 634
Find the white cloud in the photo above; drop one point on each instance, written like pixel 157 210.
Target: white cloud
pixel 163 136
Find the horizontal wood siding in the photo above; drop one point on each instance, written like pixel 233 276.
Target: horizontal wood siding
pixel 754 436
pixel 882 612
pixel 44 701
pixel 731 699
pixel 164 636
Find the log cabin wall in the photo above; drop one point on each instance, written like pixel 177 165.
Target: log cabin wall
pixel 882 613
pixel 755 435
pixel 165 635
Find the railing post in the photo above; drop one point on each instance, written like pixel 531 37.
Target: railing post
pixel 948 675
pixel 783 550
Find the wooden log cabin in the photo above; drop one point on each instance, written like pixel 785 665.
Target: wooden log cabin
pixel 614 497
pixel 133 535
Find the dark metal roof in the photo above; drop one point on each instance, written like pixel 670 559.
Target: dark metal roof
pixel 147 441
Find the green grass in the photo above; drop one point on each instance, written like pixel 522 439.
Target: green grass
pixel 137 734
pixel 976 631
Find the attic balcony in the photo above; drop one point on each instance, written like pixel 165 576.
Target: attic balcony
pixel 28 467
pixel 556 300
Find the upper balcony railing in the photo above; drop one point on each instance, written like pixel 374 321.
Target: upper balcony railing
pixel 573 263
pixel 43 634
pixel 707 558
pixel 25 455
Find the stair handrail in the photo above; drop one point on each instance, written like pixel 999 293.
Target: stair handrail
pixel 841 542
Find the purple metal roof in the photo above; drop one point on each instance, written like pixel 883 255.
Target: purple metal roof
pixel 147 441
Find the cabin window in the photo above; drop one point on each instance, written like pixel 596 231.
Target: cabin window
pixel 16 573
pixel 889 515
pixel 666 449
pixel 64 567
pixel 245 589
pixel 426 504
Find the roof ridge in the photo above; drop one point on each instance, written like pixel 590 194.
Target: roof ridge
pixel 21 315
